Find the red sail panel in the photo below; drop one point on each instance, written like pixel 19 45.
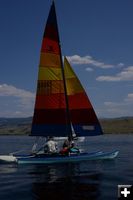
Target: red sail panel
pixel 50 106
pixel 51 46
pixel 82 114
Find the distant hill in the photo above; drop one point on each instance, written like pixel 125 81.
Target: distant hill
pixel 122 125
pixel 22 126
pixel 15 126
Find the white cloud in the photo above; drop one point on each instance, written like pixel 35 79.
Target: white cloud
pixel 89 69
pixel 15 102
pixel 120 65
pixel 129 98
pixel 122 108
pixel 125 75
pixel 108 78
pixel 9 90
pixel 78 60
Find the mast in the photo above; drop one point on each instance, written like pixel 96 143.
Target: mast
pixel 68 121
pixel 69 129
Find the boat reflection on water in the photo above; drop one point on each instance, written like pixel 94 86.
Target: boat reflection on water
pixel 66 182
pixel 7 168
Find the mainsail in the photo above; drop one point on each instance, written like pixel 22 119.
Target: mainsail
pixel 50 116
pixel 82 114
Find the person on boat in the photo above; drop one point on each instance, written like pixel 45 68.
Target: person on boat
pixel 69 147
pixel 50 146
pixel 66 147
pixel 66 143
pixel 73 148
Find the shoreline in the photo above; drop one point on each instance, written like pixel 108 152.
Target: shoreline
pixel 85 136
pixel 22 126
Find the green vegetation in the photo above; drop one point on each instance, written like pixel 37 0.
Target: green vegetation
pixel 22 126
pixel 15 126
pixel 117 126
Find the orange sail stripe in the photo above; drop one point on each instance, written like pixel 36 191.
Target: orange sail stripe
pixel 50 87
pixel 50 60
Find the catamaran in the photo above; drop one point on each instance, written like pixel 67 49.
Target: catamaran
pixel 61 104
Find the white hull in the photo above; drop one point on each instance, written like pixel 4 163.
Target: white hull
pixel 8 158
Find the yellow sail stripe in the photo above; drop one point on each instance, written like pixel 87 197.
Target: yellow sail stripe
pixel 72 82
pixel 49 59
pixel 50 73
pixel 69 73
pixel 73 86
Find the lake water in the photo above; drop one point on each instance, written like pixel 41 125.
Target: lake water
pixel 89 180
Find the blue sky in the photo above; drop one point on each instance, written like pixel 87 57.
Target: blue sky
pixel 97 37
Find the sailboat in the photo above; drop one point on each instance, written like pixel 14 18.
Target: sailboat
pixel 61 105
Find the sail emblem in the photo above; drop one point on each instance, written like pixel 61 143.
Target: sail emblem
pixel 90 128
pixel 49 48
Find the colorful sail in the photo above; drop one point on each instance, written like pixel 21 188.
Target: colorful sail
pixel 60 99
pixel 82 115
pixel 50 106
